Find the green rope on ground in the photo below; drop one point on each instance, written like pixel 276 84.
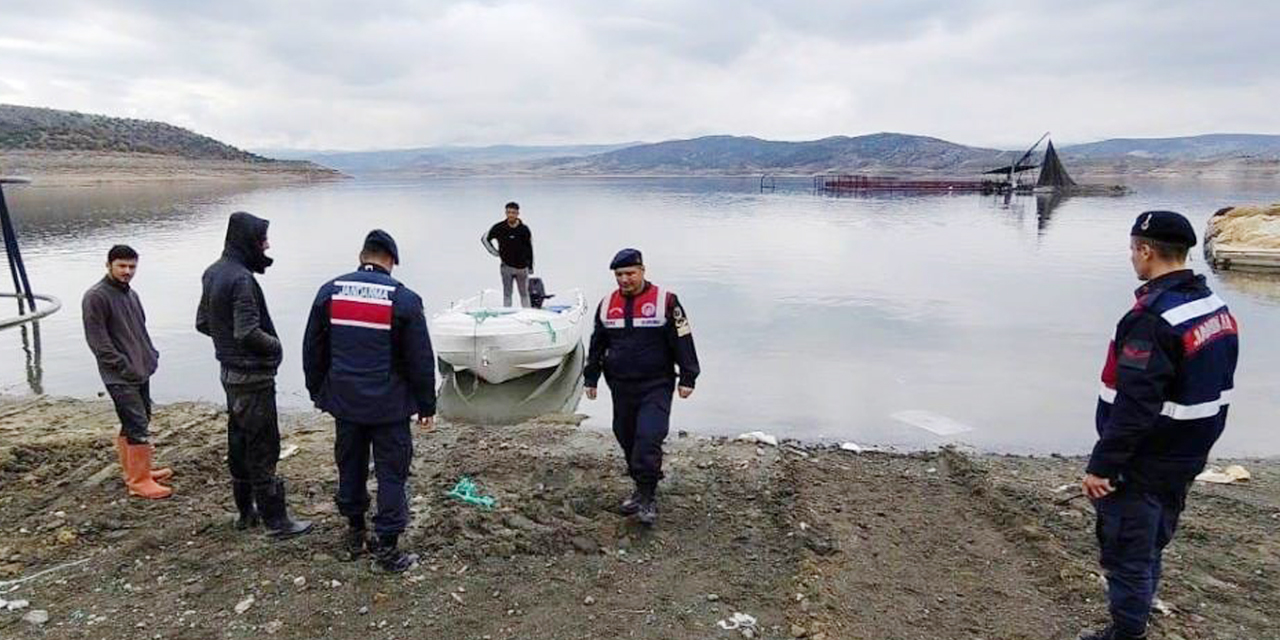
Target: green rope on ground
pixel 467 491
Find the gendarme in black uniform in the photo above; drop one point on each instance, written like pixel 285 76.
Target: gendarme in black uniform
pixel 638 343
pixel 368 362
pixel 1167 384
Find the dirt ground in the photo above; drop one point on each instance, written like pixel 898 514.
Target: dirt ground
pixel 809 540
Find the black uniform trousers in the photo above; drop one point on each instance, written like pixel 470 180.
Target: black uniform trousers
pixel 133 407
pixel 253 432
pixel 1133 528
pixel 392 446
pixel 641 419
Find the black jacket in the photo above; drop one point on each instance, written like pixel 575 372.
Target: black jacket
pixel 515 244
pixel 232 309
pixel 366 353
pixel 642 338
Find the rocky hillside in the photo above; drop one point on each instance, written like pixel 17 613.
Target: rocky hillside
pixel 735 154
pixel 1218 146
pixel 38 129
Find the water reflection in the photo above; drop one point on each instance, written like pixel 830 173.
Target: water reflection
pixel 42 213
pixel 464 397
pixel 31 347
pixel 815 317
pixel 1264 287
pixel 1046 204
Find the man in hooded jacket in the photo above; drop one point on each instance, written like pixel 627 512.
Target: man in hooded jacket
pixel 234 313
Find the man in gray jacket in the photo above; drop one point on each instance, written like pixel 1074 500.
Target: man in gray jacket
pixel 115 326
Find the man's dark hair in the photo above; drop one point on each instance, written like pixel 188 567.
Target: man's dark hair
pixel 513 205
pixel 121 252
pixel 1167 251
pixel 371 249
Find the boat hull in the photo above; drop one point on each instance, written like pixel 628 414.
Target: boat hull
pixel 498 344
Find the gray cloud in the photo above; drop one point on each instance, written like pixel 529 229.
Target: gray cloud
pixel 401 73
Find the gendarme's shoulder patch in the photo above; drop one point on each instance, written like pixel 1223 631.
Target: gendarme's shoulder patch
pixel 1135 354
pixel 683 328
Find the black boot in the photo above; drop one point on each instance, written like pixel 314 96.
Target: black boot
pixel 647 513
pixel 275 515
pixel 356 540
pixel 243 492
pixel 631 505
pixel 388 557
pixel 1110 633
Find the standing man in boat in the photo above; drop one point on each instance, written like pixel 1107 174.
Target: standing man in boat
pixel 515 250
pixel 368 362
pixel 115 326
pixel 1166 386
pixel 234 313
pixel 642 337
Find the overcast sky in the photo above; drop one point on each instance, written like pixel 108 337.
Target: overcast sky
pixel 361 75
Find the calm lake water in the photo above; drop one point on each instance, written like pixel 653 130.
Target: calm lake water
pixel 815 316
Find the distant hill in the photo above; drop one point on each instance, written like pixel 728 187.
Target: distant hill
pixel 435 159
pixel 897 154
pixel 1216 156
pixel 742 155
pixel 1206 147
pixel 38 129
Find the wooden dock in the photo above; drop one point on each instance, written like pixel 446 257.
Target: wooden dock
pixel 1235 258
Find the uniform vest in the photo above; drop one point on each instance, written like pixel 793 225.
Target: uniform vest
pixel 364 383
pixel 641 345
pixel 1201 337
pixel 650 309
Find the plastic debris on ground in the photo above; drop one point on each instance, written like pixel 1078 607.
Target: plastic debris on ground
pixel 740 622
pixel 758 437
pixel 467 491
pixel 288 451
pixel 931 422
pixel 1231 475
pixel 851 447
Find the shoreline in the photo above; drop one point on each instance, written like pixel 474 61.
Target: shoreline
pixel 90 168
pixel 10 398
pixel 77 169
pixel 811 541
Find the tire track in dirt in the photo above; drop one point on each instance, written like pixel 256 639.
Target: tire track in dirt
pixel 912 547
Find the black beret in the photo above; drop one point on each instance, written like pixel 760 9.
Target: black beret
pixel 380 240
pixel 627 258
pixel 1164 226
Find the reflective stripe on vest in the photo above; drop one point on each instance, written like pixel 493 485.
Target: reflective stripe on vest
pixel 361 304
pixel 1194 309
pixel 1175 411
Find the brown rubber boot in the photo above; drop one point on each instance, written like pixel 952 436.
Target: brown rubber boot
pixel 138 473
pixel 156 474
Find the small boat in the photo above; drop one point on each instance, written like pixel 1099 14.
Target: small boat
pixel 498 343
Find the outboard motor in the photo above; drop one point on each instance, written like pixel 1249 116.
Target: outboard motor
pixel 538 292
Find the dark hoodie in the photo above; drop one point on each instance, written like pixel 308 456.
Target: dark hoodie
pixel 233 310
